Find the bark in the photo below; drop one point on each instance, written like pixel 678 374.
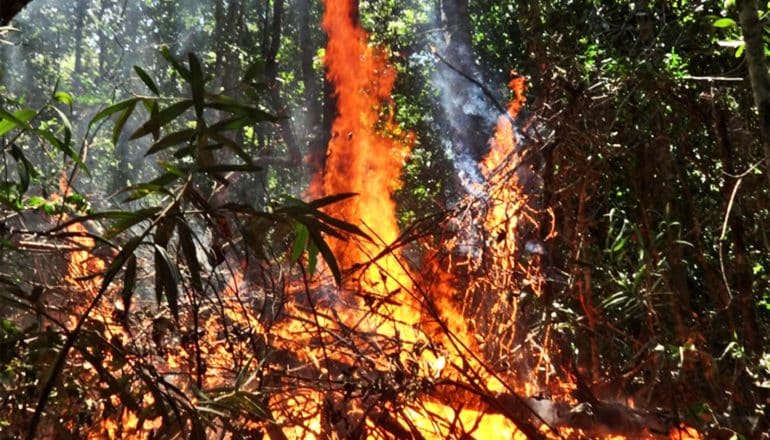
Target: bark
pixel 9 9
pixel 80 17
pixel 271 71
pixel 758 73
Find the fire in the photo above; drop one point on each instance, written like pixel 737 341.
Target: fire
pixel 364 159
pixel 336 355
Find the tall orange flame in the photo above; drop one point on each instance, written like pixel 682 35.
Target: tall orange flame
pixel 366 152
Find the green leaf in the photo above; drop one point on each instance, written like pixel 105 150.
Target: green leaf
pixel 253 113
pixel 125 253
pixel 724 23
pixel 162 118
pixel 328 200
pixel 65 146
pixel 197 85
pixel 182 70
pixel 234 123
pixel 147 80
pixel 121 121
pixel 178 137
pixel 125 219
pixel 190 255
pixel 300 242
pixel 16 119
pixel 35 202
pixel 64 98
pixel 167 279
pixel 327 253
pixel 312 258
pixel 25 168
pixel 129 282
pixel 112 109
pixel 64 119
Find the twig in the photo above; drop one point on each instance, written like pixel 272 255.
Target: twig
pixel 724 233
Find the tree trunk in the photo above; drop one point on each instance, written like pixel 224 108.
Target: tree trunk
pixel 80 18
pixel 757 64
pixel 271 72
pixel 9 9
pixel 468 110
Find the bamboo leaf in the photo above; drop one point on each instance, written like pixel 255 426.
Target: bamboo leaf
pixel 178 137
pixel 300 242
pixel 190 255
pixel 197 85
pixel 112 110
pixel 181 69
pixel 167 280
pixel 327 253
pixel 129 282
pixel 162 118
pixel 147 80
pixel 121 121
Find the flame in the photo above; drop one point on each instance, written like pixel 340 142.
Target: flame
pixel 380 304
pixel 365 156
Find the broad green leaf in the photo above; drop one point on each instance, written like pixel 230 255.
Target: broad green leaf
pixel 64 98
pixel 65 146
pixel 35 202
pixel 312 258
pixel 63 117
pixel 234 123
pixel 253 113
pixel 300 242
pixel 19 118
pixel 125 253
pixel 724 23
pixel 125 219
pixel 328 200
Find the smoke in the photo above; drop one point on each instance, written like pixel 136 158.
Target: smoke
pixel 467 116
